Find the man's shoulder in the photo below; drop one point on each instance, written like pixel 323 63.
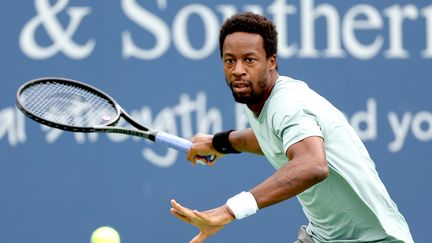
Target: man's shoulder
pixel 290 84
pixel 289 89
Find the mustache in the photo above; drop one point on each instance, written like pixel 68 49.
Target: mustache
pixel 238 82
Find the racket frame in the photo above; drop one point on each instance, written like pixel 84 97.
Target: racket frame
pixel 62 126
pixel 109 127
pixel 143 131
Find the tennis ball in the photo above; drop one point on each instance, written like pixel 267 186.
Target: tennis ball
pixel 105 234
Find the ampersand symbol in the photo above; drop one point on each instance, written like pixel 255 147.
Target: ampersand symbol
pixel 61 38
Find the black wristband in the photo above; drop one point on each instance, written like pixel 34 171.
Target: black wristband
pixel 222 144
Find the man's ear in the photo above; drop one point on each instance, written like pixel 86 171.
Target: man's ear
pixel 273 62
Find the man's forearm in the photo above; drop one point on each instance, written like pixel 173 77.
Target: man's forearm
pixel 285 183
pixel 307 166
pixel 245 141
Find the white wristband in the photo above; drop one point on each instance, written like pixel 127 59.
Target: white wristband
pixel 243 205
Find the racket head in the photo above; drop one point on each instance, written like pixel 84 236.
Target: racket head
pixel 67 104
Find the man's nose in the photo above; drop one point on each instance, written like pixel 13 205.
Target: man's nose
pixel 238 69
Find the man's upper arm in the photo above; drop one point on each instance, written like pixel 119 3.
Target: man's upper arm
pixel 313 145
pixel 310 154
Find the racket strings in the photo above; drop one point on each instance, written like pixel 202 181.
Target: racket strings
pixel 68 104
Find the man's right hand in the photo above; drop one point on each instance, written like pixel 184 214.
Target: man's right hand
pixel 202 146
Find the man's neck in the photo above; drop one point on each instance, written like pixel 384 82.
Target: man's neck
pixel 257 107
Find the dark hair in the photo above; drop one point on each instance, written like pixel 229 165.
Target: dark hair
pixel 251 23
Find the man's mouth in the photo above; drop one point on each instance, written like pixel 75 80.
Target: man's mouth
pixel 240 86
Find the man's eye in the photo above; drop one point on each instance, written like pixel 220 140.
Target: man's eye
pixel 229 61
pixel 250 60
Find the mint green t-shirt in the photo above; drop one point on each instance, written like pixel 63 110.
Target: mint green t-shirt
pixel 351 204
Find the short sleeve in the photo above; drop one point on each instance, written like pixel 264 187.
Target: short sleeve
pixel 296 127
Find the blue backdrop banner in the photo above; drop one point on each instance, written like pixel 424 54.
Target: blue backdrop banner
pixel 160 60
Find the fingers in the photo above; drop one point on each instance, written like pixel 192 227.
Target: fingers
pixel 178 211
pixel 205 160
pixel 201 161
pixel 179 216
pixel 201 150
pixel 202 216
pixel 199 238
pixel 181 211
pixel 202 220
pixel 211 163
pixel 189 216
pixel 192 153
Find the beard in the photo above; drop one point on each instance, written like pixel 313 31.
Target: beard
pixel 251 97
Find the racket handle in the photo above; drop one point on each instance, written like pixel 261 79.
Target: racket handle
pixel 178 143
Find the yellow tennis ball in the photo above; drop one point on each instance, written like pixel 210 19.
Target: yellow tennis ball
pixel 105 234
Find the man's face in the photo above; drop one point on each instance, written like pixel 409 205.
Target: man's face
pixel 247 69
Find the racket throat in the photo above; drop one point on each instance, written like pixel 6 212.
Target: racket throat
pixel 151 135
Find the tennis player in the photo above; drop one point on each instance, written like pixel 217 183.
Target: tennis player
pixel 318 157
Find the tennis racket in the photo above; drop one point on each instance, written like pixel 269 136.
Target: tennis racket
pixel 78 107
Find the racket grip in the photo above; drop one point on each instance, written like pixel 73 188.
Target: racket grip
pixel 178 143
